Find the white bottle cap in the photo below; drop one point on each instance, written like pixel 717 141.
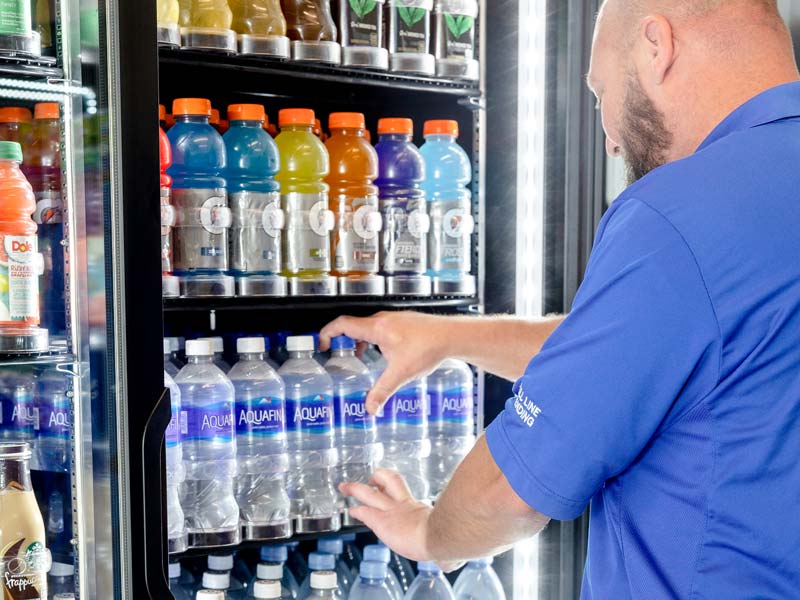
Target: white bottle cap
pixel 209 595
pixel 216 581
pixel 61 570
pixel 267 590
pixel 64 596
pixel 269 572
pixel 216 343
pixel 253 345
pixel 323 580
pixel 199 348
pixel 174 570
pixel 167 346
pixel 222 562
pixel 300 343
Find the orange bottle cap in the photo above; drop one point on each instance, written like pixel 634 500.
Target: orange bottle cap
pixel 441 128
pixel 192 106
pixel 162 113
pixel 214 120
pixel 402 126
pixel 246 112
pixel 296 116
pixel 345 120
pixel 15 114
pixel 46 110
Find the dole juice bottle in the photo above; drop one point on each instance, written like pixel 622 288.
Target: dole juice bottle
pixel 355 242
pixel 258 17
pixel 15 125
pixel 214 14
pixel 169 284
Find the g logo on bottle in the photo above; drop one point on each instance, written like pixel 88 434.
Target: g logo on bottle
pixel 215 216
pixel 273 220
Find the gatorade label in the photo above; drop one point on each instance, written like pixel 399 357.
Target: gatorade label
pixel 49 207
pixel 15 17
pixel 24 414
pixel 459 36
pixel 449 244
pixel 260 417
pixel 453 405
pixel 167 223
pixel 407 407
pixel 213 423
pixel 404 244
pixel 356 239
pixel 256 232
pixel 311 415
pixel 364 20
pixel 200 238
pixel 54 419
pixel 413 29
pixel 306 244
pixel 20 267
pixel 351 412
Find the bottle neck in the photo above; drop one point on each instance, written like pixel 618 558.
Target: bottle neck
pixel 15 471
pixel 348 131
pixel 200 360
pixel 341 352
pixel 251 356
pixel 395 137
pixel 300 355
pixel 440 137
pixel 249 124
pixel 192 119
pixel 296 127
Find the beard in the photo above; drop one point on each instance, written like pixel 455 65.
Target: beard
pixel 644 136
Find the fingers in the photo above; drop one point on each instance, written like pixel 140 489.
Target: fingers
pixel 356 328
pixel 388 383
pixel 371 517
pixel 367 495
pixel 392 484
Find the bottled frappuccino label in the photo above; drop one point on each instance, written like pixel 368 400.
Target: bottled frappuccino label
pixel 23 563
pixel 365 23
pixel 15 17
pixel 413 27
pixel 459 36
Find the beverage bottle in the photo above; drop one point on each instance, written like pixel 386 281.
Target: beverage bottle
pixel 169 284
pixel 382 554
pixel 217 581
pixel 255 201
pixel 20 414
pixel 356 430
pixel 218 346
pixel 174 352
pixel 209 450
pixel 176 473
pixel 456 53
pixel 335 546
pixel 430 584
pixel 478 581
pixel 361 27
pixel 175 587
pixel 450 421
pixel 402 569
pixel 409 36
pixel 374 361
pixel 402 200
pixel 272 568
pixel 22 534
pixel 310 26
pixel 16 31
pixel 448 172
pixel 306 242
pixel 267 590
pixel 54 428
pixel 312 454
pixel 15 125
pixel 210 595
pixel 371 584
pixel 167 11
pixel 321 563
pixel 296 563
pixel 61 579
pixel 170 367
pixel 200 199
pixel 351 555
pixel 223 563
pixel 258 17
pixel 59 530
pixel 323 586
pixel 213 14
pixel 263 461
pixel 354 201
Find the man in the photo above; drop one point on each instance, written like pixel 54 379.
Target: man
pixel 670 397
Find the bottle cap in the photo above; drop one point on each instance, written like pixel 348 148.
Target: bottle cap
pixel 428 567
pixel 199 348
pixel 246 112
pixel 372 570
pixel 220 562
pixel 62 570
pixel 346 120
pixel 174 570
pixel 348 537
pixel 10 151
pixel 296 116
pixel 482 562
pixel 300 343
pixel 217 345
pixel 330 545
pixel 46 110
pixel 342 342
pixel 250 345
pixel 209 595
pixel 269 571
pixel 15 114
pixel 376 553
pixel 403 126
pixel 267 590
pixel 323 580
pixel 167 346
pixel 192 106
pixel 216 581
pixel 278 554
pixel 441 128
pixel 174 343
pixel 321 561
pixel 162 113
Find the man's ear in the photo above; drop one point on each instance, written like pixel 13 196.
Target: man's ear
pixel 658 49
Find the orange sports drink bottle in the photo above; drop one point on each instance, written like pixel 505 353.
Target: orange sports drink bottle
pixel 15 125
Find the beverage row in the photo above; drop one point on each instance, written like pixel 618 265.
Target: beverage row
pixel 408 36
pixel 259 454
pixel 338 569
pixel 255 216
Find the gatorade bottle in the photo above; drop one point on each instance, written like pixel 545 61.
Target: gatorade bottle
pixel 169 283
pixel 448 172
pixel 354 201
pixel 261 27
pixel 310 26
pixel 42 167
pixel 20 264
pixel 255 201
pixel 199 195
pixel 306 243
pixel 15 125
pixel 405 221
pixel 206 25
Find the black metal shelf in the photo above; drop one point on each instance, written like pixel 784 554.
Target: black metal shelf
pixel 44 359
pixel 376 303
pixel 44 67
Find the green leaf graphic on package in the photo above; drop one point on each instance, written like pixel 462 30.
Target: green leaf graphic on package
pixel 362 7
pixel 459 24
pixel 411 16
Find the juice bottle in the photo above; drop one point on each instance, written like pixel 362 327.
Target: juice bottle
pixel 15 125
pixel 304 198
pixel 214 14
pixel 455 39
pixel 253 163
pixel 361 26
pixel 448 172
pixel 354 200
pixel 258 17
pixel 169 284
pixel 42 167
pixel 167 15
pixel 409 36
pixel 402 202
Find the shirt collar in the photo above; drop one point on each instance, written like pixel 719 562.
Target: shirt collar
pixel 775 104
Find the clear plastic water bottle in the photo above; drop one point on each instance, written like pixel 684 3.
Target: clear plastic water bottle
pixel 176 473
pixel 356 430
pixel 478 581
pixel 323 586
pixel 309 424
pixel 273 566
pixel 223 563
pixel 218 345
pixel 54 427
pixel 219 582
pixel 263 460
pixel 450 421
pixel 371 584
pixel 178 591
pixel 382 554
pixel 335 546
pixel 59 529
pixel 61 579
pixel 169 366
pixel 430 584
pixel 351 555
pixel 402 569
pixel 267 590
pixel 209 450
pixel 270 572
pixel 319 562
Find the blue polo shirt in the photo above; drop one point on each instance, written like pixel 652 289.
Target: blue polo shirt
pixel 669 399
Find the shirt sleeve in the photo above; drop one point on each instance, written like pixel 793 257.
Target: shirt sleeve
pixel 640 347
